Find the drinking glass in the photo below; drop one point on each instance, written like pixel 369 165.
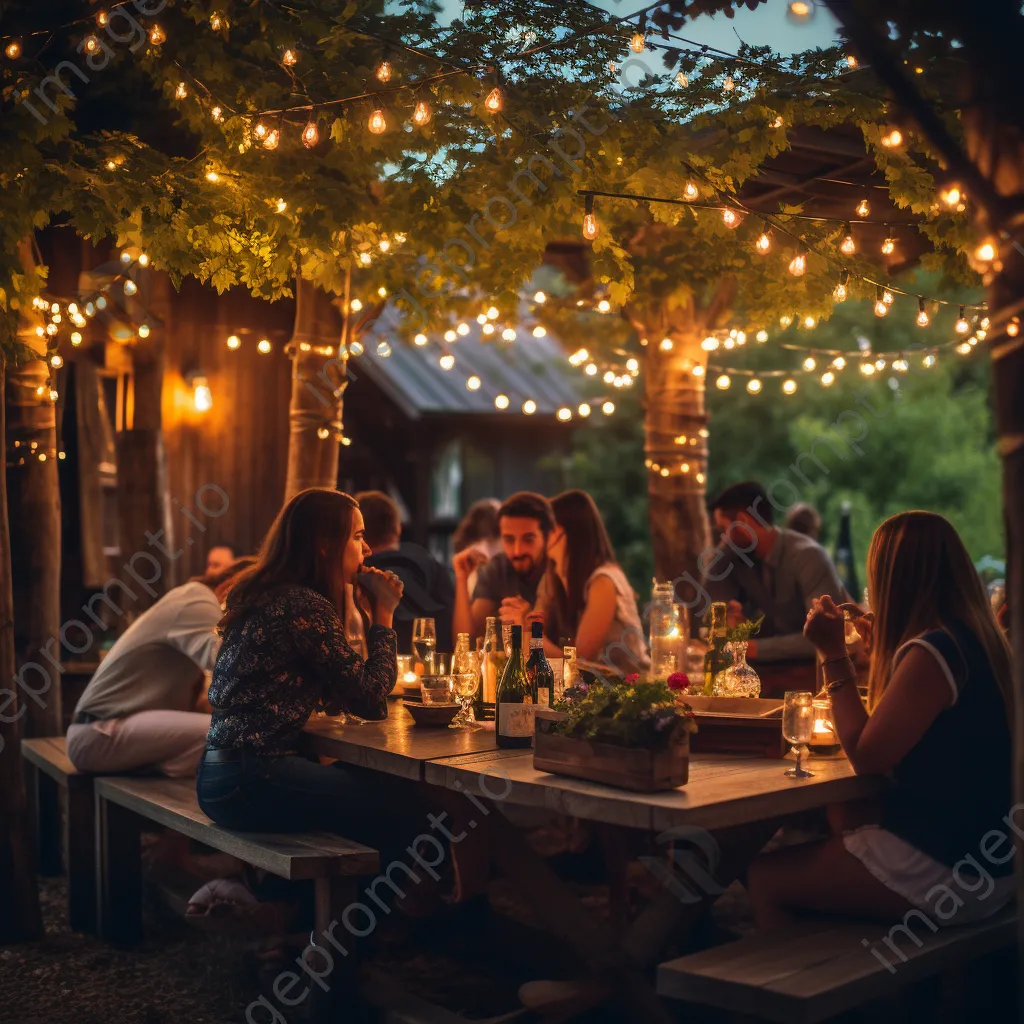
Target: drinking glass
pixel 798 728
pixel 436 689
pixel 465 682
pixel 424 643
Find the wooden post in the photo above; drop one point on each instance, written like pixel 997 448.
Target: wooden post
pixel 318 383
pixel 34 511
pixel 21 919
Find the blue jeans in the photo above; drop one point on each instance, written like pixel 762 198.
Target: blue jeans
pixel 292 794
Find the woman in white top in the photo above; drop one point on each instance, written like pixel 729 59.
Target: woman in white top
pixel 479 531
pixel 595 606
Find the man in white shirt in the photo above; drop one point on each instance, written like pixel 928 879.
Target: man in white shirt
pixel 139 709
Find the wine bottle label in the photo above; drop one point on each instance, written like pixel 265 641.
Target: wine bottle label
pixel 515 719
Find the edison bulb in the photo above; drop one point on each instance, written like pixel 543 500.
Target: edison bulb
pixel 809 364
pixel 848 246
pixel 289 58
pixel 840 293
pixel 963 325
pixel 690 191
pixel 310 135
pixel 923 319
pixel 13 49
pixel 730 218
pixel 493 102
pixel 422 114
pixel 892 139
pixel 887 297
pixel 763 244
pixel 828 378
pixel 638 43
pixel 798 265
pixel 863 208
pixel 888 246
pixel 589 226
pixel 378 122
pixel 881 309
pixel 157 36
pixel 501 402
pixel 951 196
pixel 130 287
pixel 565 414
pixel 384 71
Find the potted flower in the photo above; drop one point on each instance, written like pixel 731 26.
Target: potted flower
pixel 623 733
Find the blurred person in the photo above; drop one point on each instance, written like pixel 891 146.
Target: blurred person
pixel 507 583
pixel 940 703
pixel 219 557
pixel 595 607
pixel 478 530
pixel 805 519
pixel 759 568
pixel 428 591
pixel 144 706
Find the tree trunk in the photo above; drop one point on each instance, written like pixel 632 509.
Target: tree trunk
pixel 318 383
pixel 34 523
pixel 675 447
pixel 20 918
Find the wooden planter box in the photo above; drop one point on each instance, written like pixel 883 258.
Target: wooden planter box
pixel 645 771
pixel 738 725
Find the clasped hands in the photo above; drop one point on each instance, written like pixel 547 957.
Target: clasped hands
pixel 825 627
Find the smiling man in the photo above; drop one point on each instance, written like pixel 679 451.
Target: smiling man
pixel 510 578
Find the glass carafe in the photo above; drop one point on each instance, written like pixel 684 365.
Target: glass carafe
pixel 739 679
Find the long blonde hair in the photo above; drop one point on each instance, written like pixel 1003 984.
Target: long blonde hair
pixel 920 577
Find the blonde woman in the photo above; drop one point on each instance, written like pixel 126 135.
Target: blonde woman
pixel 937 722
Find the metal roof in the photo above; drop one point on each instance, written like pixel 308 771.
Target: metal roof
pixel 413 378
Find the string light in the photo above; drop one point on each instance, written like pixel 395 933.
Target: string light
pixel 730 217
pixel 539 331
pixel 638 43
pixel 690 191
pixel 529 407
pixel 848 246
pixel 273 139
pixel 378 123
pixel 143 260
pixel 102 19
pixel 216 21
pixel 810 322
pixel 682 80
pixel 462 329
pixel 963 348
pixel 839 363
pixel 666 345
pixel 355 348
pixel 604 306
pixel 264 346
pixel 929 361
pixel 473 383
pixel 799 11
pixel 764 242
pixel 494 101
pixel 384 350
pixel 565 414
pixel 962 324
pixel 900 365
pixel 1013 327
pixel 761 336
pixel 591 369
pixel 728 84
pixel 863 208
pixel 289 58
pixel 144 330
pixel 92 45
pixel 450 336
pixel 584 410
pixel 888 246
pixel 841 291
pixel 157 36
pixel 130 288
pixel 310 135
pixel 501 402
pixel 923 320
pixel 540 297
pixel 422 114
pixel 487 328
pixel 234 342
pixel 633 366
pixel 609 376
pixel 217 114
pixel 508 334
pixel 797 267
pixel 881 307
pixel 383 71
pixel 867 369
pixel 13 49
pixel 280 205
pixel 608 408
pixel 698 370
pixel 753 385
pixel 951 196
pixel 447 361
pixel 892 138
pixel 589 220
pixel 723 382
pixel 851 61
pixel 785 320
pixel 789 386
pixel 809 364
pixel 76 338
pixel 828 378
pixel 986 252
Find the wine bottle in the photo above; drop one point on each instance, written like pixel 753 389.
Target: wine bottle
pixel 514 700
pixel 716 657
pixel 491 669
pixel 540 673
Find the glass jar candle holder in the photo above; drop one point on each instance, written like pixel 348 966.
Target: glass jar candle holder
pixel 824 739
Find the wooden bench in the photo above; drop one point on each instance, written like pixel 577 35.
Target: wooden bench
pixel 48 772
pixel 824 969
pixel 122 804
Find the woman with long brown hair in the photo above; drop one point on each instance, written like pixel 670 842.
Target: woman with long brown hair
pixel 589 601
pixel 937 720
pixel 284 655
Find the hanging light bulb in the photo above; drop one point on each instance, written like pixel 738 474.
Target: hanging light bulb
pixel 273 139
pixel 565 414
pixel 730 217
pixel 638 43
pixel 130 287
pixel 92 45
pixel 144 330
pixel 76 338
pixel 157 36
pixel 422 114
pixel 450 336
pixel 798 264
pixel 529 407
pixel 929 360
pixel 841 292
pixel 310 135
pixel 540 331
pixel 234 342
pixel 789 386
pixel 785 320
pixel 761 336
pixel 102 19
pixel 501 402
pixel 848 246
pixel 216 21
pixel 447 361
pixel 753 385
pixel 289 58
pixel 264 347
pixel 963 325
pixel 723 382
pixel 1013 327
pixel 809 364
pixel 828 378
pixel 584 410
pixel 13 49
pixel 508 334
pixel 494 101
pixel 863 208
pixel 923 319
pixel 892 139
pixel 682 80
pixel 888 246
pixel 764 242
pixel 690 191
pixel 887 297
pixel 384 350
pixel 383 71
pixel 378 123
pixel 260 131
pixel 951 196
pixel 881 308
pixel 589 220
pixel 838 363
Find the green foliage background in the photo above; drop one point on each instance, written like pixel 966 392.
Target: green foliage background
pixel 927 444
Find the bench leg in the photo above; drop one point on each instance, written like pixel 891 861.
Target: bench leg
pixel 342 1000
pixel 44 808
pixel 118 873
pixel 80 855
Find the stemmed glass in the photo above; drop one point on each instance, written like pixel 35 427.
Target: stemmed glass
pixel 798 728
pixel 466 681
pixel 424 643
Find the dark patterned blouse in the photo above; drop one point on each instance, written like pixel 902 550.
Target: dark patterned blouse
pixel 288 659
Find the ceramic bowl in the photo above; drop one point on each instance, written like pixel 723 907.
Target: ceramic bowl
pixel 436 715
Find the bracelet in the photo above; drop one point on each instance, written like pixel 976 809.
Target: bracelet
pixel 844 671
pixel 830 687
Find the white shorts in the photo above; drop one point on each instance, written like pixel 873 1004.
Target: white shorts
pixel 949 896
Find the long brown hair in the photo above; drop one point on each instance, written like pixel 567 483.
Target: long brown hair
pixel 920 577
pixel 586 547
pixel 479 523
pixel 304 546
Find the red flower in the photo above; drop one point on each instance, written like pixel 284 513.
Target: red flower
pixel 678 681
pixel 632 678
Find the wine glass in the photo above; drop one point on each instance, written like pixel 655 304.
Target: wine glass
pixel 798 728
pixel 465 682
pixel 424 643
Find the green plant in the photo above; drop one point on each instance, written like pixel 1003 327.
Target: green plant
pixel 743 631
pixel 626 714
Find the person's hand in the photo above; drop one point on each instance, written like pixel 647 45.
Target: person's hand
pixel 826 628
pixel 466 561
pixel 384 589
pixel 734 614
pixel 515 610
pixel 863 622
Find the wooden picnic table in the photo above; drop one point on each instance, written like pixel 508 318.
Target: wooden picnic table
pixel 731 805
